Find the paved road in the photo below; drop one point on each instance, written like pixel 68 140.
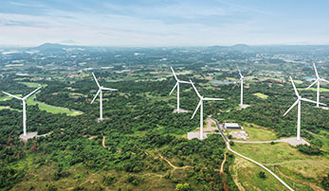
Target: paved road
pixel 220 129
pixel 268 170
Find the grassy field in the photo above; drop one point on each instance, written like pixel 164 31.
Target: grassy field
pixel 30 84
pixel 246 176
pixel 258 133
pixel 303 167
pixel 4 98
pixel 80 178
pixel 260 95
pixel 50 108
pixel 232 79
pixel 7 107
pixel 267 153
pixel 298 81
pixel 315 89
pixel 306 171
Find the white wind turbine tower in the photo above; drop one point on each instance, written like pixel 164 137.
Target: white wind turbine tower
pixel 177 86
pixel 298 101
pixel 241 86
pixel 317 81
pixel 201 110
pixel 24 106
pixel 100 92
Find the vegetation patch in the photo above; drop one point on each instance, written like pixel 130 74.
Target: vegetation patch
pixel 260 95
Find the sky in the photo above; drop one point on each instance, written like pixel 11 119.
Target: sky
pixel 158 23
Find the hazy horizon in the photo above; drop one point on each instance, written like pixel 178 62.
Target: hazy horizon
pixel 145 23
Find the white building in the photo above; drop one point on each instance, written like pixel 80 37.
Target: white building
pixel 232 126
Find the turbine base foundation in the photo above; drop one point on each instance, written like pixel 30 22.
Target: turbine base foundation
pixel 196 134
pixel 181 111
pixel 244 106
pixel 31 135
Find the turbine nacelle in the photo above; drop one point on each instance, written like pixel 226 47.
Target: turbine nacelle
pixel 100 88
pixel 202 99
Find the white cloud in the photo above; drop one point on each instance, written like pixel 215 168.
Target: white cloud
pixel 175 24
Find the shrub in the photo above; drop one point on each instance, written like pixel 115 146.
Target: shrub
pixel 310 150
pixel 262 175
pixel 325 182
pixel 183 187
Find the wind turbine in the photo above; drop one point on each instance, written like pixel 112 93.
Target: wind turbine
pixel 177 86
pixel 201 110
pixel 298 101
pixel 241 85
pixel 100 92
pixel 24 106
pixel 317 81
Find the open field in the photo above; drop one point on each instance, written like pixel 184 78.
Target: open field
pixel 314 89
pixel 267 153
pixel 260 95
pixel 30 84
pixel 246 174
pixel 4 98
pixel 78 177
pixel 257 133
pixel 7 107
pixel 298 81
pixel 292 162
pixel 50 108
pixel 312 172
pixel 232 79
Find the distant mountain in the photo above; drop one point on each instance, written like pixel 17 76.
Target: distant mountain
pixel 50 47
pixel 237 47
pixel 55 48
pixel 47 46
pixel 241 47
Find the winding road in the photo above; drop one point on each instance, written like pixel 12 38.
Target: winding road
pixel 255 162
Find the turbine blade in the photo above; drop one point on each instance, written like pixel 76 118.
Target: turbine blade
pixel 239 71
pixel 195 89
pixel 311 101
pixel 99 90
pixel 293 84
pixel 111 89
pixel 293 105
pixel 316 71
pixel 212 99
pixel 173 88
pixel 196 109
pixel 96 80
pixel 174 74
pixel 11 95
pixel 28 95
pixel 324 80
pixel 312 84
